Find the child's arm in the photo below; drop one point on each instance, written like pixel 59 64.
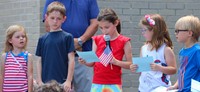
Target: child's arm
pixel 94 47
pixel 128 54
pixel 2 71
pixel 134 67
pixel 170 60
pixel 71 63
pixel 175 86
pixel 30 73
pixel 39 71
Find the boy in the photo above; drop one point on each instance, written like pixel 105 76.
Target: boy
pixel 56 50
pixel 187 32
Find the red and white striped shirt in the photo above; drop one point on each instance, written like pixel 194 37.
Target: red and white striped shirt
pixel 15 75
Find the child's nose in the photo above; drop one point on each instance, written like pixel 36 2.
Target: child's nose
pixel 21 37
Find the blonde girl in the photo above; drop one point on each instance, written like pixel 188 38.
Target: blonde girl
pixel 16 63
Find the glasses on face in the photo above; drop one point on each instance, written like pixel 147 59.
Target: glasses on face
pixel 143 30
pixel 177 31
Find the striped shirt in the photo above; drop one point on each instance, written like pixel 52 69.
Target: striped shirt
pixel 15 75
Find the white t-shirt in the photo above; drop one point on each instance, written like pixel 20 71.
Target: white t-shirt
pixel 152 79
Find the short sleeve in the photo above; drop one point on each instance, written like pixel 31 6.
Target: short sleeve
pixel 94 9
pixel 70 43
pixel 38 49
pixel 96 39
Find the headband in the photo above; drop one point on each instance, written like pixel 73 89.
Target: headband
pixel 150 20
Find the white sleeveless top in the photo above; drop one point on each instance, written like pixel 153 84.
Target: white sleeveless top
pixel 153 79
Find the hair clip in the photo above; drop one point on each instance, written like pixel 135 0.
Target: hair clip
pixel 150 20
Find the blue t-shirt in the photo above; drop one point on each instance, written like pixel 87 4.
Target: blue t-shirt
pixel 79 13
pixel 53 48
pixel 189 67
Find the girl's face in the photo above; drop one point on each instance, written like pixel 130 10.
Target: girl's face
pixel 148 34
pixel 18 39
pixel 55 20
pixel 107 27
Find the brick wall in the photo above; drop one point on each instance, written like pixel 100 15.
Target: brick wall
pixel 28 14
pixel 130 12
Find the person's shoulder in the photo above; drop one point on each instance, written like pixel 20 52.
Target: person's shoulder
pixel 144 46
pixel 44 35
pixel 197 48
pixel 122 37
pixel 3 55
pixel 30 55
pixel 97 36
pixel 67 35
pixel 168 49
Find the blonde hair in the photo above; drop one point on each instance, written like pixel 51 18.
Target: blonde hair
pixel 160 31
pixel 56 6
pixel 9 34
pixel 190 23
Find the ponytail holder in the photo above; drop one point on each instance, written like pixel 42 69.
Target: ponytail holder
pixel 150 20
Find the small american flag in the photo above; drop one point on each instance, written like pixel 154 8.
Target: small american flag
pixel 106 56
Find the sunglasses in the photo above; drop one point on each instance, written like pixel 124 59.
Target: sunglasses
pixel 177 31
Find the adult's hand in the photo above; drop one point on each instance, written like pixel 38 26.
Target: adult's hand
pixel 77 46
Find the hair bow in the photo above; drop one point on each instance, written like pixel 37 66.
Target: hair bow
pixel 150 20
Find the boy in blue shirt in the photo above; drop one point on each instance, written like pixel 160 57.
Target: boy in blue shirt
pixel 56 49
pixel 187 31
pixel 82 24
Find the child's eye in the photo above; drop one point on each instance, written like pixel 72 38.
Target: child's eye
pixel 59 18
pixel 23 36
pixel 52 17
pixel 17 36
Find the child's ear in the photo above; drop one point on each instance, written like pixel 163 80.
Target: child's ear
pixel 45 17
pixel 116 22
pixel 190 33
pixel 9 40
pixel 65 17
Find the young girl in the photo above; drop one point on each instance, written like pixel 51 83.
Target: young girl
pixel 159 46
pixel 107 72
pixel 16 63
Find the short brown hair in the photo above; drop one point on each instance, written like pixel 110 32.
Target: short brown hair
pixel 190 23
pixel 56 6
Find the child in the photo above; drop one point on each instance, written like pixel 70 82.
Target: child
pixel 158 45
pixel 56 50
pixel 16 73
pixel 187 30
pixel 51 86
pixel 107 76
